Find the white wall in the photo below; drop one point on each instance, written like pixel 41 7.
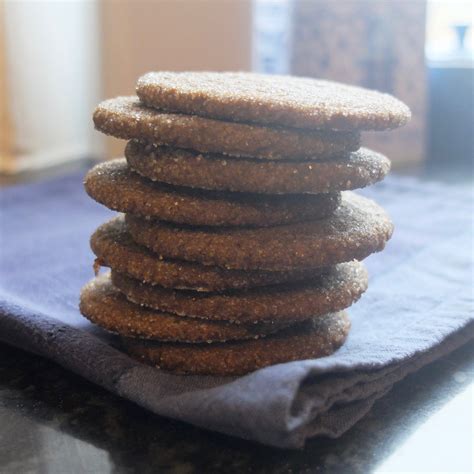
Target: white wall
pixel 52 79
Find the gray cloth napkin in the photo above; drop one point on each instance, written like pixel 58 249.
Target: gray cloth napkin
pixel 419 307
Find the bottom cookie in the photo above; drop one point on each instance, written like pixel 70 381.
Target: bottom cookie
pixel 314 338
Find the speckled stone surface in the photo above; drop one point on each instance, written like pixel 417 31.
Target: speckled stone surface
pixel 126 117
pixel 117 187
pixel 283 100
pixel 187 168
pixel 358 228
pixel 336 289
pixel 56 422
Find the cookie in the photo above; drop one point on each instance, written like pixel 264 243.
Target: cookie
pixel 104 305
pixel 314 338
pixel 188 168
pixel 114 248
pixel 126 117
pixel 117 187
pixel 275 100
pixel 335 290
pixel 358 228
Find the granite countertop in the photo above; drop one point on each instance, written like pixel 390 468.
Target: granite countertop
pixel 53 421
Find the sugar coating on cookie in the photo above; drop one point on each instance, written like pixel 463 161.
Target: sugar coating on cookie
pixel 357 228
pixel 116 186
pixel 318 337
pixel 127 117
pixel 240 242
pixel 272 99
pixel 215 172
pixel 333 290
pixel 104 305
pixel 115 248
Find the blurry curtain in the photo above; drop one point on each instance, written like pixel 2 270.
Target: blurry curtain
pixel 50 67
pixel 60 58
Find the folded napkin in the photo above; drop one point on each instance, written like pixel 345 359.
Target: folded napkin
pixel 419 306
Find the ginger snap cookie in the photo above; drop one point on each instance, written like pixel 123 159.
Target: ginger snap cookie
pixel 317 337
pixel 357 228
pixel 333 290
pixel 187 168
pixel 114 248
pixel 113 184
pixel 271 99
pixel 104 305
pixel 126 117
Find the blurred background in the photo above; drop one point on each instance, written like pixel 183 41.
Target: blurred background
pixel 58 59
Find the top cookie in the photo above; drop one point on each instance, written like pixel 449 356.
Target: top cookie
pixel 275 100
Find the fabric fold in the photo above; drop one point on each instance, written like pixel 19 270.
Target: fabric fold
pixel 419 307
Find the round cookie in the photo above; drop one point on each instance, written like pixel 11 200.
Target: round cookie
pixel 358 228
pixel 188 168
pixel 104 305
pixel 271 99
pixel 114 248
pixel 332 291
pixel 113 184
pixel 126 117
pixel 314 338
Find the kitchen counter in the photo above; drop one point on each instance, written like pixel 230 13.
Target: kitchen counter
pixel 53 421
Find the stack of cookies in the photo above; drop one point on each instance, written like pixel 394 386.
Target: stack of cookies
pixel 240 241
